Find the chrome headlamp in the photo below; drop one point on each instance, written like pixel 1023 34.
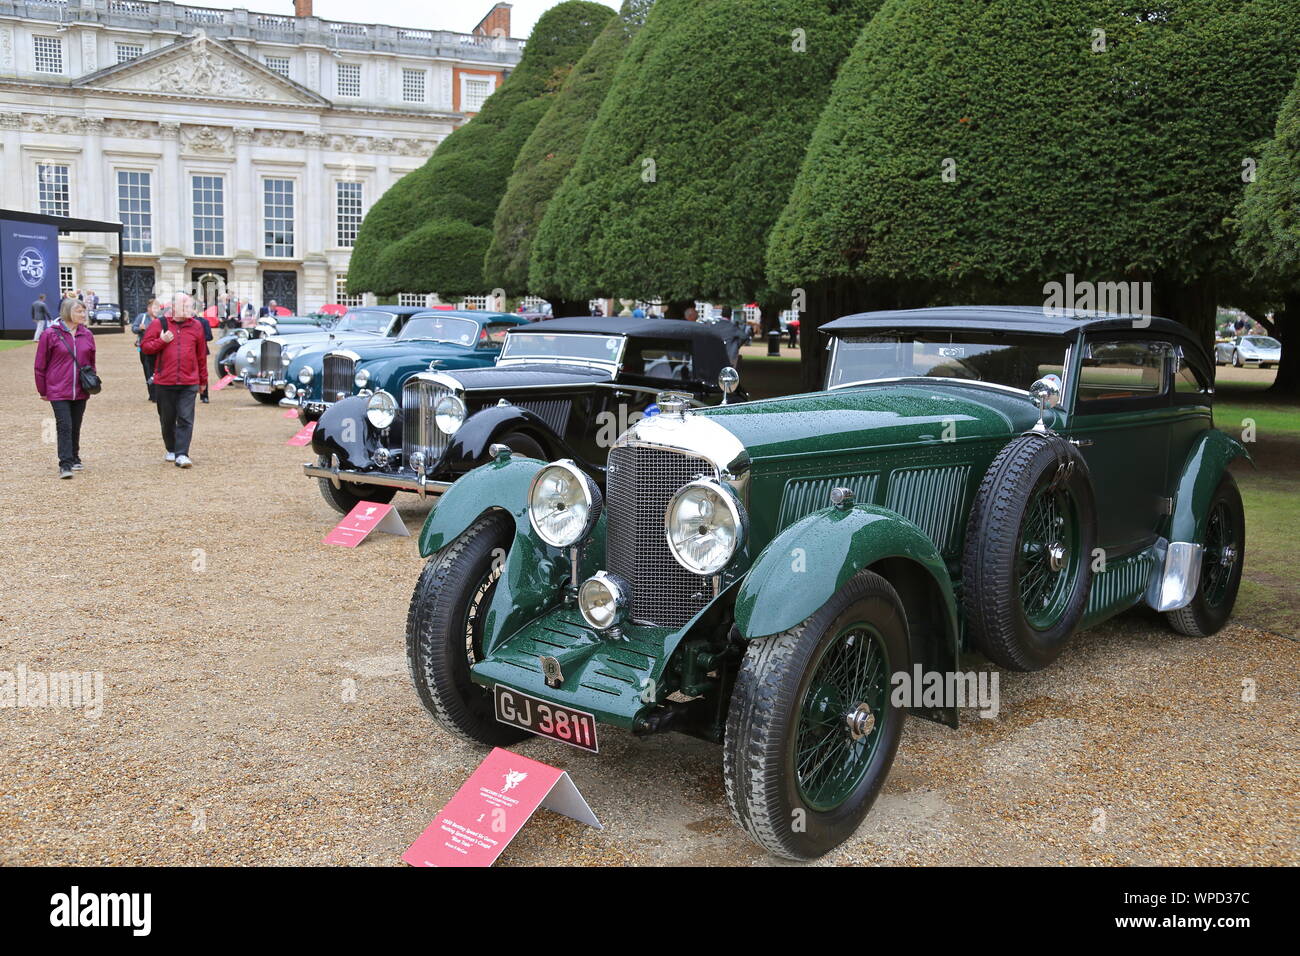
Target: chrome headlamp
pixel 563 504
pixel 305 375
pixel 241 335
pixel 603 600
pixel 417 462
pixel 290 390
pixel 705 526
pixel 362 377
pixel 449 414
pixel 381 409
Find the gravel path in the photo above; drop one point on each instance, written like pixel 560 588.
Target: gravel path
pixel 256 707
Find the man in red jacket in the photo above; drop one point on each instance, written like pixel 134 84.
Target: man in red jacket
pixel 179 371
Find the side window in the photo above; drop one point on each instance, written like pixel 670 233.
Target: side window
pixel 1124 370
pixel 1187 379
pixel 492 336
pixel 671 364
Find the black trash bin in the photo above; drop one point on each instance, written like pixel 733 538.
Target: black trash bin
pixel 774 342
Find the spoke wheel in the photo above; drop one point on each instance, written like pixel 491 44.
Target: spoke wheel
pixel 1048 558
pixel 1222 552
pixel 840 717
pixel 1224 541
pixel 811 730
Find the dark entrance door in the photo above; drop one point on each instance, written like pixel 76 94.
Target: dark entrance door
pixel 208 285
pixel 137 290
pixel 282 287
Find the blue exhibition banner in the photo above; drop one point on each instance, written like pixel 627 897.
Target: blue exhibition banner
pixel 29 265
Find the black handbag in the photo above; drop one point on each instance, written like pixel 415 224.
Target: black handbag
pixel 90 381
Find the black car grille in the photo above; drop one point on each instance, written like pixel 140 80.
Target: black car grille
pixel 419 432
pixel 336 378
pixel 640 483
pixel 268 359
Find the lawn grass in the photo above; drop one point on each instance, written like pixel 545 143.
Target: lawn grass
pixel 1268 596
pixel 6 344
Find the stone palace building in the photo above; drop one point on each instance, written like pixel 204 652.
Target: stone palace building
pixel 239 149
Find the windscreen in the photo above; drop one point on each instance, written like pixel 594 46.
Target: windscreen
pixel 1016 361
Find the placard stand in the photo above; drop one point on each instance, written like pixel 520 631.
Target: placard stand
pixel 490 809
pixel 365 517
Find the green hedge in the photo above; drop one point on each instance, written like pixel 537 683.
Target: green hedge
pixel 463 180
pixel 715 95
pixel 1115 163
pixel 549 153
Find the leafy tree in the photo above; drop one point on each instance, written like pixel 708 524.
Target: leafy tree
pixel 549 153
pixel 977 149
pixel 1270 236
pixel 420 235
pixel 694 150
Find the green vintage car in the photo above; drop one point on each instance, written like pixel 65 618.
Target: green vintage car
pixel 781 576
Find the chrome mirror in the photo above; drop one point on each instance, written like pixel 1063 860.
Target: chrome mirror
pixel 728 381
pixel 1046 392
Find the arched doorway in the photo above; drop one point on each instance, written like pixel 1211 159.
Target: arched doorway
pixel 209 285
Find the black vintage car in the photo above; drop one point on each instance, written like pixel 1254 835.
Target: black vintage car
pixel 566 388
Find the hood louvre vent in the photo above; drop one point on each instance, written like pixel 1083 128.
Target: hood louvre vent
pixel 932 498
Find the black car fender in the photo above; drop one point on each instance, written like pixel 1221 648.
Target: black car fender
pixel 343 430
pixel 470 445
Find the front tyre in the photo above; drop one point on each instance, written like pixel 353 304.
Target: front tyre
pixel 1221 562
pixel 272 398
pixel 444 631
pixel 811 732
pixel 348 495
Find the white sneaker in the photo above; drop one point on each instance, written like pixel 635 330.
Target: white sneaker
pixel 171 456
pixel 183 461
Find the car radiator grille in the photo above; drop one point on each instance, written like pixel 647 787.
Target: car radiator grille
pixel 419 432
pixel 268 358
pixel 336 378
pixel 640 483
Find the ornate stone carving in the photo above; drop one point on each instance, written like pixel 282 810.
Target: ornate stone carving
pixel 11 120
pixel 93 125
pixel 130 129
pixel 201 72
pixel 54 123
pixel 243 135
pixel 212 140
pixel 381 144
pixel 6 48
pixel 278 137
pixel 169 130
pixel 313 140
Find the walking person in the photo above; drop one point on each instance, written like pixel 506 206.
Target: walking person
pixel 65 348
pixel 41 316
pixel 180 370
pixel 151 312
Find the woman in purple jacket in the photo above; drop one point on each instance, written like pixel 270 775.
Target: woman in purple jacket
pixel 62 347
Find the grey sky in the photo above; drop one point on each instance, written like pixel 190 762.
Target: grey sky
pixel 458 15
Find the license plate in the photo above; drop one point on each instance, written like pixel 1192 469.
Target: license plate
pixel 262 387
pixel 574 727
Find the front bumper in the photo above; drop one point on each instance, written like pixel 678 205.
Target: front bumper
pixel 264 384
pixel 422 485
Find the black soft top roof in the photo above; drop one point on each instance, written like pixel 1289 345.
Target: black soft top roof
pixel 711 344
pixel 1007 318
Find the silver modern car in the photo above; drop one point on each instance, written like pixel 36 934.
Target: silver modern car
pixel 1263 351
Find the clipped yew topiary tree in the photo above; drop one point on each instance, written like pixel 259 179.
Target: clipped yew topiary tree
pixel 977 149
pixel 429 232
pixel 550 151
pixel 1270 236
pixel 693 152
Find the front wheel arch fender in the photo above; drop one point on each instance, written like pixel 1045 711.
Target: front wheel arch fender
pixel 473 441
pixel 1209 459
pixel 534 575
pixel 831 546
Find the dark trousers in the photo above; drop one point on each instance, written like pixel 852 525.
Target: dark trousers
pixel 67 423
pixel 176 413
pixel 147 361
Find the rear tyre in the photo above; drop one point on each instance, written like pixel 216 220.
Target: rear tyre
pixel 348 495
pixel 1221 563
pixel 444 631
pixel 811 731
pixel 1026 570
